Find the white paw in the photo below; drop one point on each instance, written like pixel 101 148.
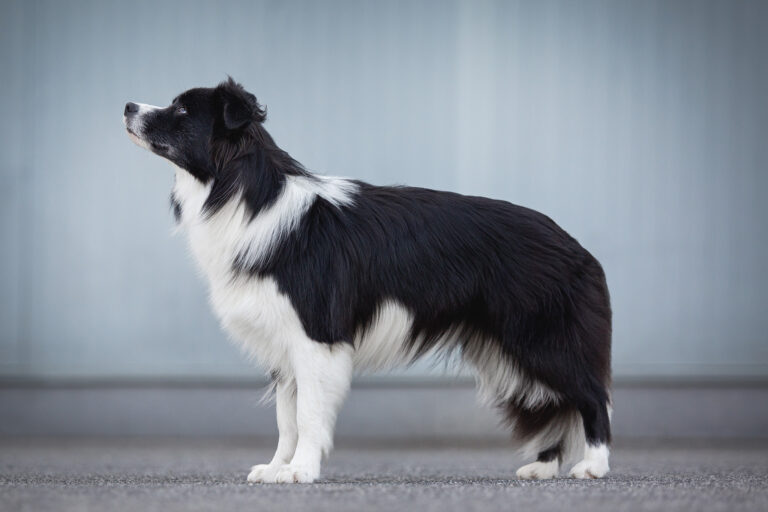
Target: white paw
pixel 296 474
pixel 590 468
pixel 539 470
pixel 264 473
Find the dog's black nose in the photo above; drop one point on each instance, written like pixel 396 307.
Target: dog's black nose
pixel 131 108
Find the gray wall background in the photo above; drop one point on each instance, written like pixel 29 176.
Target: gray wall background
pixel 641 127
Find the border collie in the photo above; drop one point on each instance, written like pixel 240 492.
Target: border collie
pixel 317 277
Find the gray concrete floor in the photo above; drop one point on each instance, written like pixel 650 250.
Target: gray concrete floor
pixel 168 475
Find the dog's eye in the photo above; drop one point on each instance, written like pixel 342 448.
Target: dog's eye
pixel 181 110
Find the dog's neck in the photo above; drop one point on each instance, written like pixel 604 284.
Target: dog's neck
pixel 234 236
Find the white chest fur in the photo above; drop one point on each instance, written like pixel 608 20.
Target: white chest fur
pixel 252 310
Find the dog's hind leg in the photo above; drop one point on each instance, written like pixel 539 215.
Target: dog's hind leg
pixel 597 431
pixel 285 407
pixel 323 374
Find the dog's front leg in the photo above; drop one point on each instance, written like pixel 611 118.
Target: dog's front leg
pixel 285 408
pixel 323 374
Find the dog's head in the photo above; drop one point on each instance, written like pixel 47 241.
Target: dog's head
pixel 197 127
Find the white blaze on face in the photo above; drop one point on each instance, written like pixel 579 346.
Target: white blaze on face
pixel 135 124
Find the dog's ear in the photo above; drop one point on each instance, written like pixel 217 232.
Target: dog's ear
pixel 239 107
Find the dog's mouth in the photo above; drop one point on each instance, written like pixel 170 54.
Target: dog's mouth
pixel 136 139
pixel 157 147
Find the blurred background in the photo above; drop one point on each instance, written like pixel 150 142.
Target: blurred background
pixel 641 127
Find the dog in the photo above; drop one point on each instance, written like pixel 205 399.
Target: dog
pixel 318 277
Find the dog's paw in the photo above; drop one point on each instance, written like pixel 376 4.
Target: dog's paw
pixel 264 473
pixel 296 474
pixel 538 470
pixel 594 464
pixel 590 468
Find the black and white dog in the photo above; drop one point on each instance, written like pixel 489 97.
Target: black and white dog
pixel 317 277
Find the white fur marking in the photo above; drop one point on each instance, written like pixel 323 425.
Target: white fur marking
pixel 135 124
pixel 539 470
pixel 272 225
pixel 383 345
pixel 323 375
pixel 285 405
pixel 500 380
pixel 595 463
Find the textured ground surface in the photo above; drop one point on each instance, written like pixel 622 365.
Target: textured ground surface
pixel 189 475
